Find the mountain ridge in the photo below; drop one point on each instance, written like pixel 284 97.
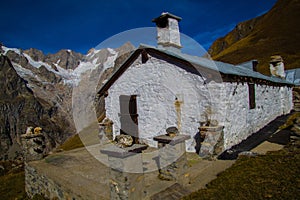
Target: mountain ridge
pixel 38 91
pixel 273 33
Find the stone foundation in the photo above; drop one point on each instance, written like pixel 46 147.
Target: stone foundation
pixel 36 183
pixel 126 178
pixel 33 146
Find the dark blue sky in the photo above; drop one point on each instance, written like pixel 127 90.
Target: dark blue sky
pixel 80 25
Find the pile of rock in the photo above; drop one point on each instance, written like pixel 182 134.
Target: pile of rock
pixel 124 141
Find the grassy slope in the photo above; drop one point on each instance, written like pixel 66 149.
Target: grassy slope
pixel 275 175
pixel 272 176
pixel 276 32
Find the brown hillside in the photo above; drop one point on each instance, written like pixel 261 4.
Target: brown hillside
pixel 276 32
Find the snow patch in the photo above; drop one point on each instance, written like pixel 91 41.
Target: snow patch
pixel 37 64
pixel 95 61
pixel 22 71
pixel 92 53
pixel 6 49
pixel 83 67
pixel 112 51
pixel 110 62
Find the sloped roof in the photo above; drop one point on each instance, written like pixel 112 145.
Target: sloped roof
pixel 293 75
pixel 222 67
pixel 199 63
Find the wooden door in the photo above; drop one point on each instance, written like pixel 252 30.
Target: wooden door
pixel 129 116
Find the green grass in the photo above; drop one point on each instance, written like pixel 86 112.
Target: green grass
pixel 275 175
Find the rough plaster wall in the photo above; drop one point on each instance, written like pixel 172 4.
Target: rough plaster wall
pixel 241 121
pixel 157 83
pixel 169 35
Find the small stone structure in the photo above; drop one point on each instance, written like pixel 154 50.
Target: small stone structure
pixel 277 66
pixel 172 158
pixel 127 173
pixel 105 130
pixel 126 176
pixel 33 144
pixel 213 142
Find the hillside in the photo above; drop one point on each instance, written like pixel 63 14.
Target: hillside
pixel 276 32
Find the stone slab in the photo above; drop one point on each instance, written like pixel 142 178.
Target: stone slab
pixel 171 140
pixel 115 151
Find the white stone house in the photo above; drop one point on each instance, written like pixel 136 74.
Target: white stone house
pixel 160 87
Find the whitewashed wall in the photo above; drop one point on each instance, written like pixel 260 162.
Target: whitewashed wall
pixel 241 121
pixel 157 83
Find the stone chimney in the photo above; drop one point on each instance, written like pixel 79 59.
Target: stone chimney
pixel 254 65
pixel 168 35
pixel 277 66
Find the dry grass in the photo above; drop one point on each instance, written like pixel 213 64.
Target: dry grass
pixel 73 142
pixel 272 176
pixel 290 121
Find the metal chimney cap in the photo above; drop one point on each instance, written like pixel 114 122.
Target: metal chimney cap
pixel 164 16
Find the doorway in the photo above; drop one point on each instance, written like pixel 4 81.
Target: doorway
pixel 129 117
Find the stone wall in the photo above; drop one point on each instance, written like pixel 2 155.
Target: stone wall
pixel 241 121
pixel 158 83
pixel 37 183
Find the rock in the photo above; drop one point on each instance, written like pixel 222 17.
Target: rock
pixel 124 140
pixel 29 130
pixel 248 154
pixel 295 138
pixel 35 54
pixel 296 129
pixel 37 130
pixel 172 131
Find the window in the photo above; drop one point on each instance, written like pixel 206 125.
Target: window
pixel 251 89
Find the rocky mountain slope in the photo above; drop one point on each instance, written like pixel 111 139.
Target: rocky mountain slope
pixel 276 32
pixel 37 91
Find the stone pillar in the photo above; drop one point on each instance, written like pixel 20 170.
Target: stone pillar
pixel 126 176
pixel 33 146
pixel 172 158
pixel 213 143
pixel 106 131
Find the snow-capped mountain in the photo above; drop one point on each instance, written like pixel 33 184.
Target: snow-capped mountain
pixel 42 86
